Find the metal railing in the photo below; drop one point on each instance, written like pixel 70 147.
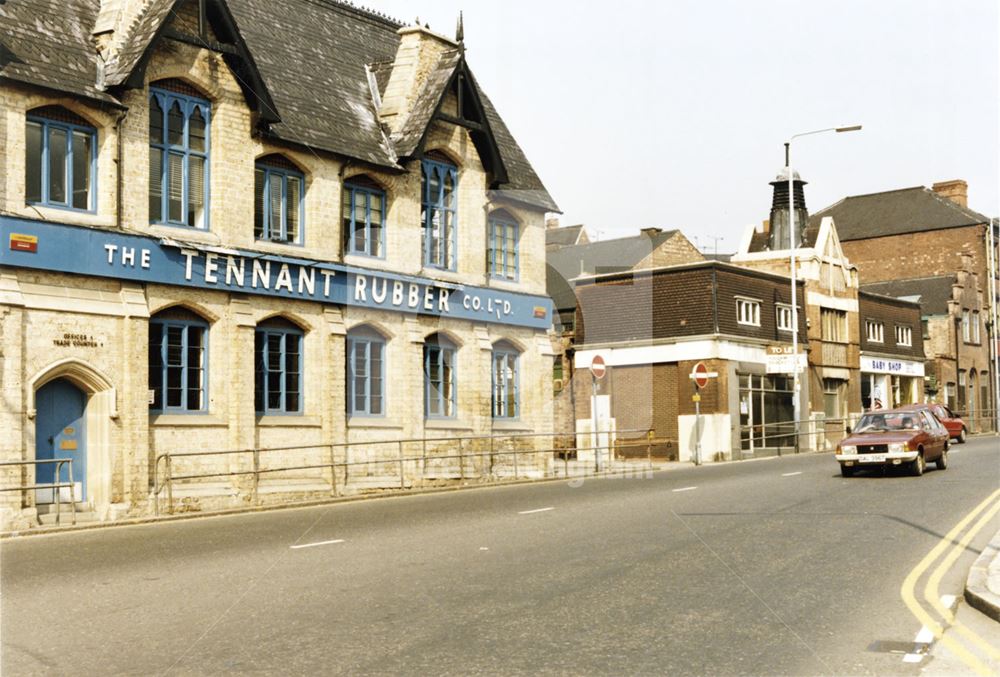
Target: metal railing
pixel 55 486
pixel 784 435
pixel 466 451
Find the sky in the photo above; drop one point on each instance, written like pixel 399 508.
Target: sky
pixel 674 114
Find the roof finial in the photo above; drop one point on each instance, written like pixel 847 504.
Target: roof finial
pixel 460 29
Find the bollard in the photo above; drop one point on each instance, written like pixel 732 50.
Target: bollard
pixel 333 473
pixel 402 474
pixel 256 476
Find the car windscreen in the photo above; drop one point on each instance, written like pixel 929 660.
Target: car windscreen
pixel 870 423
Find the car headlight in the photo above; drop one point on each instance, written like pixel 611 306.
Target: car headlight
pixel 846 449
pixel 897 448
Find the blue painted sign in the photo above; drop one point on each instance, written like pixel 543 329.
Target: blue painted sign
pixel 93 251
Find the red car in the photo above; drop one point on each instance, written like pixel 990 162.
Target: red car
pixel 892 437
pixel 951 421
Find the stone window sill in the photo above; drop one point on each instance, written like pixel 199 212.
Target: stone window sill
pixel 373 422
pixel 187 421
pixel 289 421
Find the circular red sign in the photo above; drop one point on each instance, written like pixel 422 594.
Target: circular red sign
pixel 700 372
pixel 597 367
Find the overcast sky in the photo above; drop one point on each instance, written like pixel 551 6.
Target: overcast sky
pixel 673 113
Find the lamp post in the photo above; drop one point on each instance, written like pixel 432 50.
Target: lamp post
pixel 796 408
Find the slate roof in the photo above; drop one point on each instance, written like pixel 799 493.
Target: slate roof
pixel 564 236
pixel 411 132
pixel 605 256
pixel 933 293
pixel 894 212
pixel 136 41
pixel 313 56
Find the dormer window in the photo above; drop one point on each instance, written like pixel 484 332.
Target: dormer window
pixel 278 200
pixel 439 212
pixel 60 159
pixel 178 158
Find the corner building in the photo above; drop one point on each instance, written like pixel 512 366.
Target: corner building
pixel 237 225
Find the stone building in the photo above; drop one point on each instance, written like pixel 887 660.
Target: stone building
pixel 831 384
pixel 239 225
pixel 917 232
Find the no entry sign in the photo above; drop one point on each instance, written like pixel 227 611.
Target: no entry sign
pixel 700 375
pixel 597 367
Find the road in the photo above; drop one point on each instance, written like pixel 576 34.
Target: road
pixel 770 567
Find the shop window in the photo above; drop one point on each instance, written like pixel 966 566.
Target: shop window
pixel 503 247
pixel 365 373
pixel 748 312
pixel 178 158
pixel 178 362
pixel 278 368
pixel 904 335
pixel 833 325
pixel 278 207
pixel 438 214
pixel 766 411
pixel 875 331
pixel 364 209
pixel 783 316
pixel 834 399
pixel 505 381
pixel 60 160
pixel 439 377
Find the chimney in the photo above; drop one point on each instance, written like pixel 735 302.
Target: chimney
pixel 650 232
pixel 418 52
pixel 956 190
pixel 780 232
pixel 551 223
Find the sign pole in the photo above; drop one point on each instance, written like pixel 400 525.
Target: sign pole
pixel 593 413
pixel 697 425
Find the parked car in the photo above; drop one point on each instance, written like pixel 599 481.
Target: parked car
pixel 893 437
pixel 950 420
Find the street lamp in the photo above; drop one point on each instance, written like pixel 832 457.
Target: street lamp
pixel 796 408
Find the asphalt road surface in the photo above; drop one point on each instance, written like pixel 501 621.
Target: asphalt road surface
pixel 770 567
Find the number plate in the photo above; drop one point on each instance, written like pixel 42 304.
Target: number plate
pixel 871 458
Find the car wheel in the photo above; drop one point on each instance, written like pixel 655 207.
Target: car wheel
pixel 846 471
pixel 942 462
pixel 917 466
pixel 962 436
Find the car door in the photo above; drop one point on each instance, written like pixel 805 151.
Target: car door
pixel 937 435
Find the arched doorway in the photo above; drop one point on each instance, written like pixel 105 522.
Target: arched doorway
pixel 60 433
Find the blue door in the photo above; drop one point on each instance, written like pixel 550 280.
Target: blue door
pixel 60 433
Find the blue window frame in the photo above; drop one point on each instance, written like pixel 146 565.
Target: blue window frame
pixel 178 159
pixel 439 213
pixel 506 403
pixel 278 203
pixel 439 378
pixel 365 374
pixel 60 164
pixel 364 219
pixel 278 370
pixel 503 254
pixel 178 364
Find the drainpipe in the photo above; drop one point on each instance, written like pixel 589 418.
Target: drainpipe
pixel 118 169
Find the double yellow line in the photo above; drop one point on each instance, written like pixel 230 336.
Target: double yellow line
pixel 985 511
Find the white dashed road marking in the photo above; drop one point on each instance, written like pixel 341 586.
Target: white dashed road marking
pixel 529 512
pixel 684 489
pixel 925 637
pixel 312 545
pixel 791 474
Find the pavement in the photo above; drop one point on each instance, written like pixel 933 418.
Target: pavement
pixel 982 588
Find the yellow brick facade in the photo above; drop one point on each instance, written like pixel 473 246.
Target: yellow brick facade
pixel 124 438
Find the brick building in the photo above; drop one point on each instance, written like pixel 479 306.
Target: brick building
pixel 237 224
pixel 652 326
pixel 831 383
pixel 892 351
pixel 918 232
pixel 571 255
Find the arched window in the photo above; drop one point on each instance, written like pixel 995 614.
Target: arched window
pixel 502 249
pixel 278 367
pixel 506 403
pixel 439 184
pixel 278 200
pixel 178 361
pixel 439 377
pixel 60 159
pixel 365 372
pixel 178 155
pixel 364 209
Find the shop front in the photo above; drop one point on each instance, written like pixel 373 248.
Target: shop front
pixel 887 382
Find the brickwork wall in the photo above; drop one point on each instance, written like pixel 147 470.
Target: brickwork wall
pixel 891 313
